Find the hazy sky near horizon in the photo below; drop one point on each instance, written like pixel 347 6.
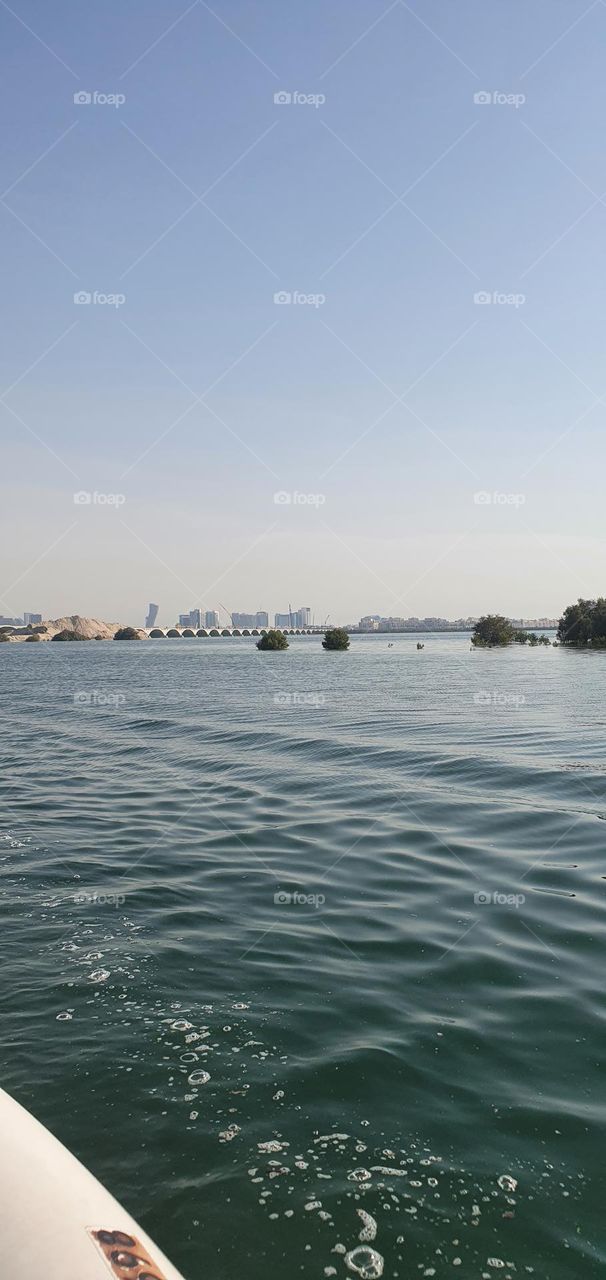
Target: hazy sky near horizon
pixel 381 397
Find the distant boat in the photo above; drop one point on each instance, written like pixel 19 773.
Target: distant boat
pixel 56 1220
pixel 420 646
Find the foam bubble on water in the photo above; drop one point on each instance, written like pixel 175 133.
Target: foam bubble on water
pixel 64 1017
pixel 366 1262
pixel 359 1175
pixel 369 1226
pixel 506 1182
pixel 181 1025
pixel 272 1145
pixel 198 1077
pixel 99 975
pixel 228 1135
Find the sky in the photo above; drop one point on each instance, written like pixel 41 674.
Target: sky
pixel 303 304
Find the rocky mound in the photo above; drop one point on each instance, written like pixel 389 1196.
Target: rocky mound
pixel 85 628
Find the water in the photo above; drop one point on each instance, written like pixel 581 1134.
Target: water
pixel 240 907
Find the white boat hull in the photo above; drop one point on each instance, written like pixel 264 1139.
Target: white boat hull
pixel 56 1221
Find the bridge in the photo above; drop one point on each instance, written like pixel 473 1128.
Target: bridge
pixel 156 633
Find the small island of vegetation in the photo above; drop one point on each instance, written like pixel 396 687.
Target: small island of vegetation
pixel 495 631
pixel 583 625
pixel 336 638
pixel 275 640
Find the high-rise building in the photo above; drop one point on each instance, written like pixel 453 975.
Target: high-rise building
pixel 261 619
pixel 243 619
pixel 184 620
pixel 296 618
pixel 152 614
pixel 211 618
pixel 195 618
pixel 33 618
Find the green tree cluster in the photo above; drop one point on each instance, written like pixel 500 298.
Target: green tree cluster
pixel 584 624
pixel 493 630
pixel 273 640
pixel 335 638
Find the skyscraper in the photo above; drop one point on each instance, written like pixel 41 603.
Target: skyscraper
pixel 152 614
pixel 211 618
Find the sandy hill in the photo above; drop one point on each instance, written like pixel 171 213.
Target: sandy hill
pixel 89 628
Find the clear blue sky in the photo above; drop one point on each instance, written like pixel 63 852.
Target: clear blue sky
pixel 396 398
